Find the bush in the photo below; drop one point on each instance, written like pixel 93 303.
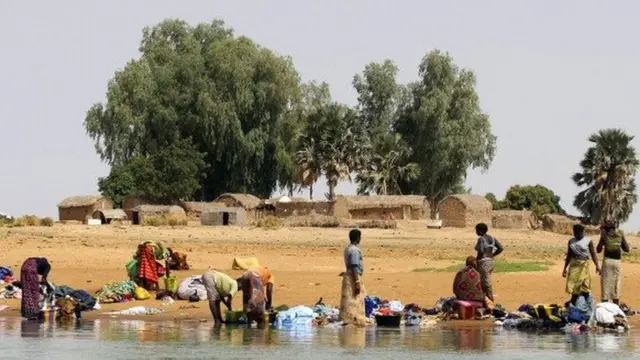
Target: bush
pixel 31 220
pixel 46 221
pixel 164 220
pixel 373 224
pixel 322 221
pixel 154 221
pixel 539 199
pixel 269 222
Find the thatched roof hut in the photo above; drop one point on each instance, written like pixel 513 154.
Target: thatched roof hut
pixel 514 219
pixel 141 212
pixel 246 201
pixel 558 224
pixel 465 210
pixel 194 209
pixel 81 208
pixel 377 207
pixel 110 215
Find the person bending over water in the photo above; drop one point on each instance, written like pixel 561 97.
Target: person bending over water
pixel 34 272
pixel 613 243
pixel 576 265
pixel 467 285
pixel 257 289
pixel 487 248
pixel 220 288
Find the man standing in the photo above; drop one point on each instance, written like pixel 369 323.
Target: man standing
pixel 613 243
pixel 352 311
pixel 220 288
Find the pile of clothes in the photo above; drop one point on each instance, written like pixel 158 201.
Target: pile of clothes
pixel 579 317
pixel 299 317
pixel 85 301
pixel 116 292
pixel 6 275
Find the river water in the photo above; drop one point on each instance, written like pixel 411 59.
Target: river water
pixel 120 339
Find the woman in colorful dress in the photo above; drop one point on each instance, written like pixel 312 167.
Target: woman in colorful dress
pixel 34 272
pixel 253 298
pixel 576 265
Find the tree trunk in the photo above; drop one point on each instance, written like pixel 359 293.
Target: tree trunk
pixel 332 190
pixel 433 207
pixel 291 190
pixel 311 192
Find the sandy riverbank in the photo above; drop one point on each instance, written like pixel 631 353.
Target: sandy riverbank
pixel 306 262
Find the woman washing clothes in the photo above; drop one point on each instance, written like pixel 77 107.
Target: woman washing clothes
pixel 254 297
pixel 467 284
pixel 576 265
pixel 487 248
pixel 34 272
pixel 613 243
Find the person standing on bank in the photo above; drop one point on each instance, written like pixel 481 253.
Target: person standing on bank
pixel 576 265
pixel 613 243
pixel 352 311
pixel 487 249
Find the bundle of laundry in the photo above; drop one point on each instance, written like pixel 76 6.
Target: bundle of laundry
pixel 192 288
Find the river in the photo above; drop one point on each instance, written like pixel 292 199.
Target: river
pixel 126 339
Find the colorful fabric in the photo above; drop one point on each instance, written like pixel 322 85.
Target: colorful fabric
pixel 467 285
pixel 578 277
pixel 178 261
pixel 485 269
pixel 265 275
pixel 610 279
pixel 253 294
pixel 116 291
pixel 352 310
pixel 147 265
pixel 30 304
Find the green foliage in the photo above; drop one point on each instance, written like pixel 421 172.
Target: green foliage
pixel 502 266
pixel 232 98
pixel 608 177
pixel 169 175
pixel 442 122
pixel 539 199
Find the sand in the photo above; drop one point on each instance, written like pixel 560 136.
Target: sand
pixel 306 262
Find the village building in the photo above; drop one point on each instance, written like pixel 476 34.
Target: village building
pixel 465 210
pixel 81 208
pixel 400 207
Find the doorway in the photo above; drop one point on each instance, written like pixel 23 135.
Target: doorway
pixel 135 218
pixel 225 218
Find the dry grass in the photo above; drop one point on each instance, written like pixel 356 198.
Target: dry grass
pixel 370 224
pixel 27 220
pixel 269 222
pixel 321 221
pixel 164 221
pixel 46 221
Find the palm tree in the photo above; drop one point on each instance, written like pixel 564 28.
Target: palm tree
pixel 309 163
pixel 388 168
pixel 608 173
pixel 344 145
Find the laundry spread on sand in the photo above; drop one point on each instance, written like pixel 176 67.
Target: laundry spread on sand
pixel 116 292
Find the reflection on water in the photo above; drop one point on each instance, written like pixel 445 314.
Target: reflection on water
pixel 121 338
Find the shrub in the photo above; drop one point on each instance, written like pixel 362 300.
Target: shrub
pixel 46 221
pixel 154 221
pixel 322 221
pixel 269 222
pixel 176 221
pixel 31 220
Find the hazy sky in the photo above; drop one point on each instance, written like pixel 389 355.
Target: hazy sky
pixel 549 74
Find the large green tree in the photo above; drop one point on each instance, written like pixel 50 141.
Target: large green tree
pixel 537 198
pixel 231 97
pixel 607 177
pixel 444 125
